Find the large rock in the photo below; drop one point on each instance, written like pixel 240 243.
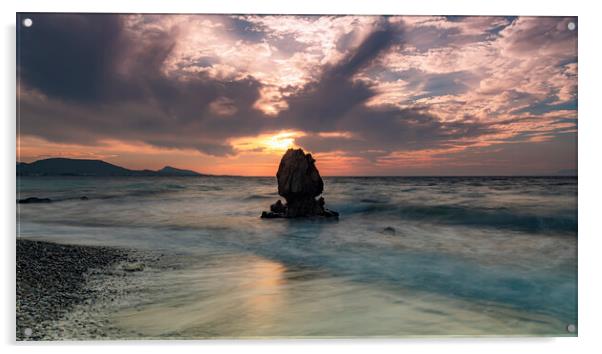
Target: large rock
pixel 299 182
pixel 298 176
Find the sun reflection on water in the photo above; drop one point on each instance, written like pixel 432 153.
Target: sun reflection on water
pixel 265 290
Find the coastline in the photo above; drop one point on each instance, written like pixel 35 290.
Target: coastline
pixel 51 280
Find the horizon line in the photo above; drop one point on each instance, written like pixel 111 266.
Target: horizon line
pixel 323 176
pixel 204 174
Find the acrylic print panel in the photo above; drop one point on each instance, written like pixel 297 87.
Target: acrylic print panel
pixel 243 176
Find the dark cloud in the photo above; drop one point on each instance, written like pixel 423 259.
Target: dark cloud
pixel 391 129
pixel 108 84
pixel 70 57
pixel 103 82
pixel 98 81
pixel 448 84
pixel 547 35
pixel 321 104
pixel 336 102
pixel 434 84
pixel 517 157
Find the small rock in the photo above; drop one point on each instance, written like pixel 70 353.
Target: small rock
pixel 133 267
pixel 389 230
pixel 271 215
pixel 278 207
pixel 33 200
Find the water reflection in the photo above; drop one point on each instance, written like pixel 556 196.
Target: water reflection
pixel 223 294
pixel 264 291
pixel 245 295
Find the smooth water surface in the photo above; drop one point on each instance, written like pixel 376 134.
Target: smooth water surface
pixel 408 256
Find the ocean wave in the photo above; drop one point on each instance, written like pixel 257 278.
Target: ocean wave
pixel 260 196
pixel 134 193
pixel 372 201
pixel 502 218
pixel 209 188
pixel 82 195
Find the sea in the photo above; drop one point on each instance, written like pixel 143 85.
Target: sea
pixel 408 256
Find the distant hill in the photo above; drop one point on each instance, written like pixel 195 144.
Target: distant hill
pixel 567 172
pixel 99 168
pixel 172 171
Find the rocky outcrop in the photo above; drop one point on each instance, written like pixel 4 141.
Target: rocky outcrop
pixel 299 182
pixel 34 200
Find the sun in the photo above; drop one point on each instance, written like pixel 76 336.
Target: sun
pixel 276 142
pixel 280 141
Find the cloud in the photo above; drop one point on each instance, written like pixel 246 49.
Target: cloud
pixel 371 89
pixel 223 106
pixel 321 103
pixel 112 84
pixel 71 57
pixel 336 101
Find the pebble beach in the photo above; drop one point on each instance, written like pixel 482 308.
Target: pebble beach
pixel 51 280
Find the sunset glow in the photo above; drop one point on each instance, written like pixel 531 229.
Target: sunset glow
pixel 366 95
pixel 278 142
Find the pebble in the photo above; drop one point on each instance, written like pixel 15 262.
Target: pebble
pixel 51 280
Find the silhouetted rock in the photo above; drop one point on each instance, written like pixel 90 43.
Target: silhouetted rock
pixel 278 207
pixel 271 215
pixel 33 200
pixel 298 176
pixel 389 230
pixel 299 182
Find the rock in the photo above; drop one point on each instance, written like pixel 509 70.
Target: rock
pixel 133 267
pixel 271 215
pixel 83 198
pixel 298 177
pixel 330 213
pixel 51 280
pixel 278 207
pixel 389 230
pixel 299 182
pixel 33 200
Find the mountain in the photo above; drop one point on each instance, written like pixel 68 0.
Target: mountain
pixel 172 171
pixel 80 167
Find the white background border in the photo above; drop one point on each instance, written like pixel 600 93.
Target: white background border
pixel 590 149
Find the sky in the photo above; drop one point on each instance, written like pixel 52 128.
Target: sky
pixel 366 95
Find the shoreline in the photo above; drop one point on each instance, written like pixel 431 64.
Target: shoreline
pixel 51 280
